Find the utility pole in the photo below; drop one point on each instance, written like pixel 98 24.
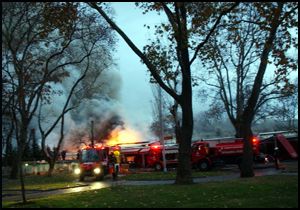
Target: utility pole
pixel 92 132
pixel 162 141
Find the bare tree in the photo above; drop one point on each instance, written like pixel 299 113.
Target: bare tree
pixel 37 39
pixel 179 34
pixel 285 111
pixel 92 46
pixel 255 36
pixel 51 157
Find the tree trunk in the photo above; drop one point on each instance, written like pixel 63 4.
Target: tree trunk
pixel 238 128
pixel 22 182
pixel 14 169
pixel 51 168
pixel 247 159
pixel 23 136
pixel 184 171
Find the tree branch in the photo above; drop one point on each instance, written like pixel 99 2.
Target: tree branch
pixel 150 66
pixel 212 30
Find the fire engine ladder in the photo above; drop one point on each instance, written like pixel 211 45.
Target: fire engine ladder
pixel 287 145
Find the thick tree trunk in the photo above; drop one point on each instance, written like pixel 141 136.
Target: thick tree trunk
pixel 238 128
pixel 247 159
pixel 184 170
pixel 243 130
pixel 184 173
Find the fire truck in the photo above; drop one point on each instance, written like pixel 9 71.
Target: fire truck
pixel 205 153
pixel 151 156
pixel 199 158
pixel 93 161
pixel 230 150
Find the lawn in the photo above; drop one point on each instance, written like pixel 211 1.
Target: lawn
pixel 171 175
pixel 43 182
pixel 267 191
pixel 63 180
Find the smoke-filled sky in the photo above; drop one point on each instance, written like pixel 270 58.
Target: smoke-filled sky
pixel 129 88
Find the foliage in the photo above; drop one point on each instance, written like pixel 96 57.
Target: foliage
pixel 257 36
pixel 177 56
pixel 233 64
pixel 38 42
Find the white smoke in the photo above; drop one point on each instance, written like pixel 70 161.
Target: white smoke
pixel 102 105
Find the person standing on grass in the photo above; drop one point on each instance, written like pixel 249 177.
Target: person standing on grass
pixel 117 163
pixel 111 163
pixel 276 152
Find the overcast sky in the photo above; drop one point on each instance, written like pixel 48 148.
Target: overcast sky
pixel 136 93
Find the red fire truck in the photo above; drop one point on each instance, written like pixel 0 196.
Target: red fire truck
pixel 93 161
pixel 230 150
pixel 151 156
pixel 205 153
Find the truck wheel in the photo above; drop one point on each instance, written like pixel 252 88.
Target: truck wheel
pixel 203 165
pixel 81 178
pixel 158 167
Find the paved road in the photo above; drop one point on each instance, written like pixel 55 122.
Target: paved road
pixel 16 195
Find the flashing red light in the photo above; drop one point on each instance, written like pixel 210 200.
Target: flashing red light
pixel 155 146
pixel 99 146
pixel 254 140
pixel 86 147
pixel 115 148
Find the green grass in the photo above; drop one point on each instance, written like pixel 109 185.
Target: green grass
pixel 170 175
pixel 268 191
pixel 43 182
pixel 63 180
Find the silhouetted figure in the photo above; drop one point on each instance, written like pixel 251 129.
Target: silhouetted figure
pixel 78 155
pixel 63 154
pixel 112 160
pixel 276 153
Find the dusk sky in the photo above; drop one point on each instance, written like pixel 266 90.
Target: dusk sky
pixel 136 93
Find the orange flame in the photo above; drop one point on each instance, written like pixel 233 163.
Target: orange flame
pixel 123 136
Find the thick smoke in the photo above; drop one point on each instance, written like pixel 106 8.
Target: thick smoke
pixel 99 104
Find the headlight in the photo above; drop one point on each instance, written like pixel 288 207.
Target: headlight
pixel 97 170
pixel 77 171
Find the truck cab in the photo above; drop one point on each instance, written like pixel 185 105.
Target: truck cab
pixel 93 161
pixel 199 158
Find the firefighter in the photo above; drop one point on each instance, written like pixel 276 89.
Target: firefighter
pixel 276 152
pixel 78 154
pixel 117 163
pixel 63 154
pixel 112 161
